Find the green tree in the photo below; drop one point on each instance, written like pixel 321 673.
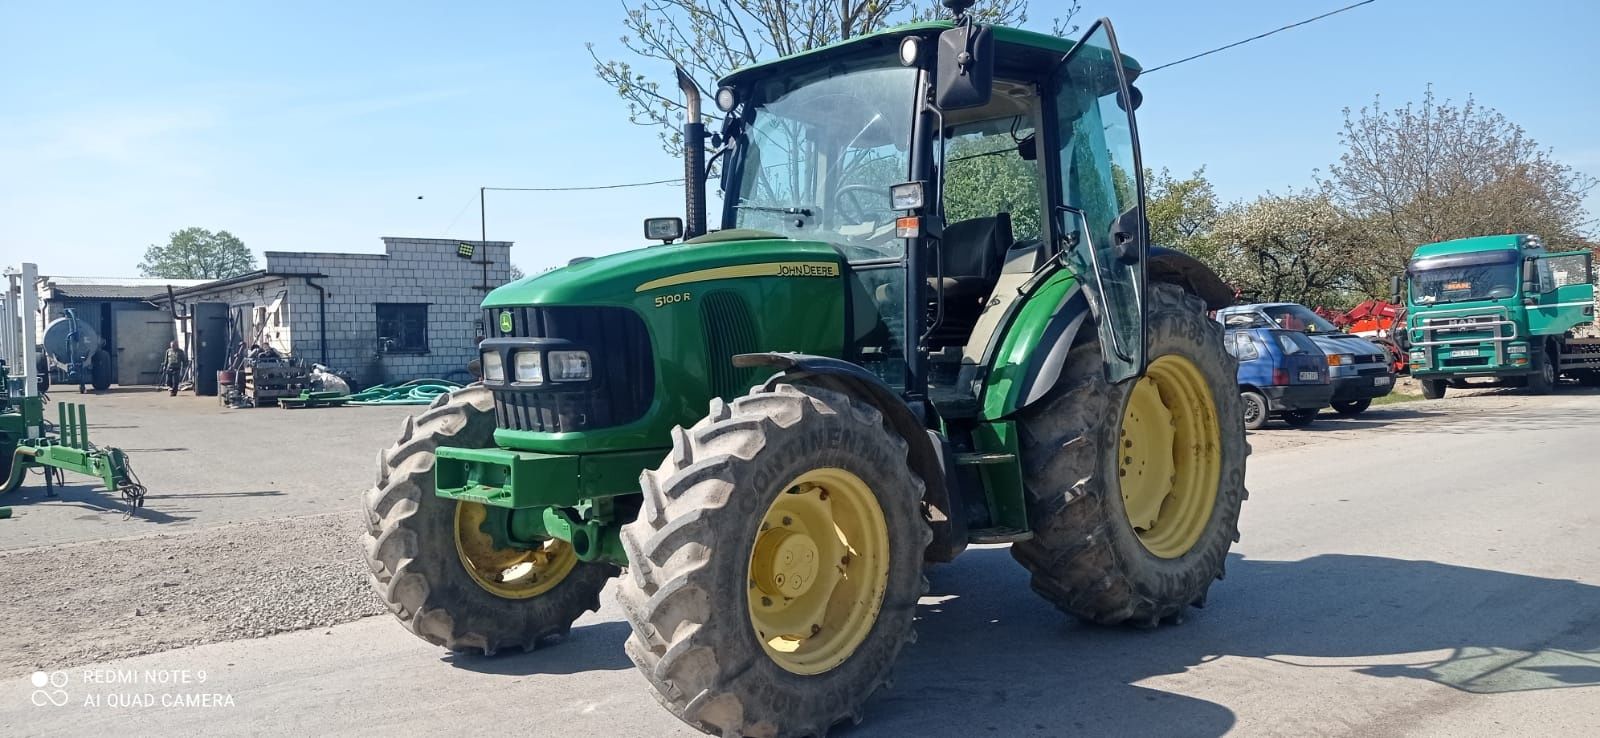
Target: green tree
pixel 1434 171
pixel 1299 247
pixel 986 176
pixel 1182 213
pixel 710 38
pixel 196 253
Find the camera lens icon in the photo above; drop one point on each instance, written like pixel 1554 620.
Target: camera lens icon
pixel 48 688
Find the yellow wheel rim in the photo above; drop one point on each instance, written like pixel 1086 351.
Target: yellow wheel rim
pixel 1170 459
pixel 818 569
pixel 512 573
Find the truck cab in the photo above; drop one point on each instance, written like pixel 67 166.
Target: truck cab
pixel 1282 374
pixel 1357 368
pixel 1499 307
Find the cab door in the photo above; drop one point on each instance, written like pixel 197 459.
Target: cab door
pixel 1566 293
pixel 1097 191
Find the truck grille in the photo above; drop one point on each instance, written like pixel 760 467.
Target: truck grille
pixel 624 382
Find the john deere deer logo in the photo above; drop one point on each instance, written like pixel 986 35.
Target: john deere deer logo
pixel 505 321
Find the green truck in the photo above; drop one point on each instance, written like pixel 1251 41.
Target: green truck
pixel 1499 307
pixel 774 426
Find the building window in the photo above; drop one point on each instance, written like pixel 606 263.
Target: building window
pixel 403 327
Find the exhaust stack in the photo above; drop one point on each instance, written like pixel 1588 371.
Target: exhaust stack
pixel 694 160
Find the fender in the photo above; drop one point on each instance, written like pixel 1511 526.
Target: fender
pixel 1175 267
pixel 925 448
pixel 1035 345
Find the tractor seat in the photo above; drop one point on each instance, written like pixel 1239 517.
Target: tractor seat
pixel 970 256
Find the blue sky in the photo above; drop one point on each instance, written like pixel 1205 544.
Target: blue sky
pixel 316 126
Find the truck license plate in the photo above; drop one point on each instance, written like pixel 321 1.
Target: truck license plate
pixel 1308 376
pixel 1380 381
pixel 1459 353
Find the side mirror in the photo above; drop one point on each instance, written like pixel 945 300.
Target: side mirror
pixel 1530 277
pixel 1127 237
pixel 965 77
pixel 1394 289
pixel 1136 97
pixel 665 230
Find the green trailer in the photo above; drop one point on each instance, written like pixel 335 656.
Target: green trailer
pixel 1502 308
pixel 27 442
pixel 874 363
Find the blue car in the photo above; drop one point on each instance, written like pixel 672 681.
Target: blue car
pixel 1360 370
pixel 1282 374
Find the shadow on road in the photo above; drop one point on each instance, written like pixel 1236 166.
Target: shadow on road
pixel 994 658
pixel 596 647
pixel 91 497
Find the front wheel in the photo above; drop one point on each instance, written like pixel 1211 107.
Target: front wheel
pixel 1543 379
pixel 436 565
pixel 1433 389
pixel 776 563
pixel 1352 408
pixel 100 371
pixel 1134 490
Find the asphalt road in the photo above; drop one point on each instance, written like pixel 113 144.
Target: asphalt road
pixel 1427 569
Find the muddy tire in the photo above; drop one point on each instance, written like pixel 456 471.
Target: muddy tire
pixel 1086 557
pixel 691 590
pixel 1432 389
pixel 412 552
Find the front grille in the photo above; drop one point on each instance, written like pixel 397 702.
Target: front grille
pixel 730 330
pixel 1371 359
pixel 1373 371
pixel 624 369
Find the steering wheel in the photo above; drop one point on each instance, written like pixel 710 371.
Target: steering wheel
pixel 854 202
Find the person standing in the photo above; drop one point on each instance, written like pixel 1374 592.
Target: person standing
pixel 172 367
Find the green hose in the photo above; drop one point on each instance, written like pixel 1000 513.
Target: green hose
pixel 414 392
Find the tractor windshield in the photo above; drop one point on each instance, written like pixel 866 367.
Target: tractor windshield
pixel 1479 276
pixel 819 153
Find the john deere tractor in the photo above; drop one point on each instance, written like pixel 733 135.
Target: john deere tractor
pixel 929 319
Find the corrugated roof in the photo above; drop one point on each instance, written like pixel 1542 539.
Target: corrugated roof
pixel 111 288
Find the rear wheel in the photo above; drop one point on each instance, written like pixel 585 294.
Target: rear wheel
pixel 436 565
pixel 1432 389
pixel 1350 408
pixel 1300 418
pixel 1134 490
pixel 1255 409
pixel 776 564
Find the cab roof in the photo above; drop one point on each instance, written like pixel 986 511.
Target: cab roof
pixel 1002 35
pixel 1512 241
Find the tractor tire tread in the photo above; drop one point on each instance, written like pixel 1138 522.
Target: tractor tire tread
pixel 410 559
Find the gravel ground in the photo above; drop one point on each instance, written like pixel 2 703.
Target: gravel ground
pixel 88 602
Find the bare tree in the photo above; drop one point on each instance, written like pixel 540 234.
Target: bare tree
pixel 1435 171
pixel 710 38
pixel 1298 247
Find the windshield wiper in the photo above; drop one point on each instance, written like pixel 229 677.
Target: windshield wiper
pixel 804 210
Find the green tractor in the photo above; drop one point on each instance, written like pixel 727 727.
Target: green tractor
pixel 930 319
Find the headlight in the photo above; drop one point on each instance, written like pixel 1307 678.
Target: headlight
pixel 494 369
pixel 1341 359
pixel 1417 357
pixel 1517 348
pixel 570 366
pixel 527 367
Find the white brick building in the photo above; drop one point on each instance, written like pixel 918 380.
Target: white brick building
pixel 410 312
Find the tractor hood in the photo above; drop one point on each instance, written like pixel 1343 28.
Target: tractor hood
pixel 632 276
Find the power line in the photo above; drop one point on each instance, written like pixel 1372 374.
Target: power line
pixel 590 187
pixel 1258 37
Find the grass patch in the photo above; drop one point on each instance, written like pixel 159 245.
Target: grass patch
pixel 1394 397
